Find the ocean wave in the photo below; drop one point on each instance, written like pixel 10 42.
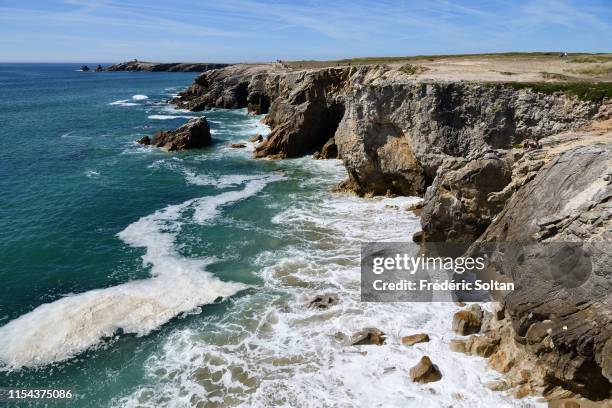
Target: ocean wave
pixel 123 102
pixel 62 329
pixel 139 97
pixel 168 117
pixel 271 351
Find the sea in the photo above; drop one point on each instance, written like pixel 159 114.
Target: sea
pixel 136 277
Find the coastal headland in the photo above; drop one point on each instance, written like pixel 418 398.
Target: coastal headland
pixel 510 147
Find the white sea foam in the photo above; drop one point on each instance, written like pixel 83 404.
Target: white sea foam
pixel 271 352
pixel 61 329
pixel 168 117
pixel 139 97
pixel 123 102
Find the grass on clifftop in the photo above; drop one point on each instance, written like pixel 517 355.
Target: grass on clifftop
pixel 586 91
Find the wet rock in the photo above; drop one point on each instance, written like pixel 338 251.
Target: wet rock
pixel 145 140
pixel 468 321
pixel 256 139
pixel 323 301
pixel 99 68
pixel 239 145
pixel 368 336
pixel 194 134
pixel 415 338
pixel 425 371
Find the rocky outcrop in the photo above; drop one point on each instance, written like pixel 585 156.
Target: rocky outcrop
pixel 492 169
pixel 560 311
pixel 136 65
pixel 194 134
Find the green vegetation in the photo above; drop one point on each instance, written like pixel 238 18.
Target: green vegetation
pixel 586 91
pixel 599 70
pixel 370 60
pixel 410 69
pixel 592 58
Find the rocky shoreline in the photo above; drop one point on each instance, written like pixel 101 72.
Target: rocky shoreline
pixel 494 162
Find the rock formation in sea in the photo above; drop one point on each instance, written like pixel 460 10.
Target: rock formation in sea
pixel 494 162
pixel 194 134
pixel 136 65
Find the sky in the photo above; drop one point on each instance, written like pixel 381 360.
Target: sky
pixel 266 30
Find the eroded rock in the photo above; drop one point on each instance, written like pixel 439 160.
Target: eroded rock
pixel 194 134
pixel 425 371
pixel 468 321
pixel 323 301
pixel 415 338
pixel 368 336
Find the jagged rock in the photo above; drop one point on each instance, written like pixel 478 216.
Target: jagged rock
pixel 457 203
pixel 415 338
pixel 425 371
pixel 468 321
pixel 328 151
pixel 239 145
pixel 194 134
pixel 568 328
pixel 368 336
pixel 256 139
pixel 324 301
pixel 84 68
pixel 99 68
pixel 145 140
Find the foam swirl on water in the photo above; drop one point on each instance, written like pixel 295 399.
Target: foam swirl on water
pixel 61 329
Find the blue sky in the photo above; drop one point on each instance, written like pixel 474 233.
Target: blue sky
pixel 264 30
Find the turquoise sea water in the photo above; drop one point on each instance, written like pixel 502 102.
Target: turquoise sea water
pixel 137 277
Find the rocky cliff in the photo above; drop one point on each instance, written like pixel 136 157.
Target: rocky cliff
pixel 162 66
pixel 494 162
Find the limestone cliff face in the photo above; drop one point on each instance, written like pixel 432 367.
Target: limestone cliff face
pixel 457 144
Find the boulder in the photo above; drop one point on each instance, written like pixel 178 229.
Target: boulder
pixel 194 134
pixel 256 139
pixel 368 336
pixel 323 301
pixel 468 321
pixel 239 145
pixel 99 68
pixel 425 371
pixel 415 338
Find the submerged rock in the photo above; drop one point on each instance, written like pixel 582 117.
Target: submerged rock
pixel 425 371
pixel 239 145
pixel 323 301
pixel 368 336
pixel 192 135
pixel 145 140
